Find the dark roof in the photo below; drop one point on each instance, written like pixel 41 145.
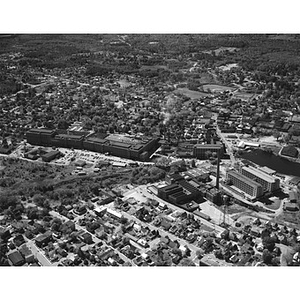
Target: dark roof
pixel 43 237
pixel 210 146
pixel 176 177
pixel 41 130
pixel 173 187
pixel 5 150
pixel 119 144
pixel 16 258
pixel 189 187
pixel 165 224
pixel 51 153
pixel 96 140
pixel 69 136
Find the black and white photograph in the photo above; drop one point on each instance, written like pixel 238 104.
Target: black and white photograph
pixel 129 149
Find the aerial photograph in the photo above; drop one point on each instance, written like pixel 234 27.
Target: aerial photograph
pixel 135 150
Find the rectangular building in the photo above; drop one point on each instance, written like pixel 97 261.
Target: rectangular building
pixel 248 186
pixel 131 147
pixel 51 155
pixel 166 191
pixel 68 141
pixel 200 150
pixel 268 182
pixel 40 137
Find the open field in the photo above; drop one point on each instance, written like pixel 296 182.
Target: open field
pixel 217 88
pixel 273 203
pixel 243 96
pixel 190 93
pixel 155 67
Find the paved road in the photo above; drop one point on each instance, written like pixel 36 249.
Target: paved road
pixel 143 189
pixel 164 234
pixel 229 149
pixel 43 260
pixel 95 239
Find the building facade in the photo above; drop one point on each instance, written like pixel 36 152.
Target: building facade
pixel 200 150
pixel 248 186
pixel 268 182
pixel 136 148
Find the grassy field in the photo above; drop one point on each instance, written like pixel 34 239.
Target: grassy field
pixel 217 88
pixel 243 96
pixel 190 93
pixel 155 67
pixel 272 204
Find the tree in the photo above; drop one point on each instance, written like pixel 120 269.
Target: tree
pixel 269 243
pixel 267 257
pixel 276 134
pixel 208 154
pixel 39 200
pixel 63 124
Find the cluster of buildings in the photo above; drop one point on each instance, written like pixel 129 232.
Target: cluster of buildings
pixel 136 148
pixel 253 181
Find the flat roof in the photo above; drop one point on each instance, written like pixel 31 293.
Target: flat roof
pixel 128 139
pixel 122 139
pixel 259 174
pixel 54 152
pixel 96 140
pixel 244 178
pixel 69 136
pixel 120 144
pixel 171 187
pixel 267 170
pixel 137 147
pixel 179 194
pixel 15 257
pixel 216 146
pixel 41 130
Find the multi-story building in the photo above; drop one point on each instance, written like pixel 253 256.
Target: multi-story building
pixel 213 195
pixel 68 141
pixel 180 192
pixel 200 150
pixel 136 148
pixel 268 182
pixel 41 137
pixel 245 184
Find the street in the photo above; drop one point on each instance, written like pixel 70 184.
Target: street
pixel 95 239
pixel 143 190
pixel 43 260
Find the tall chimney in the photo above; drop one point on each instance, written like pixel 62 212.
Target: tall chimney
pixel 218 169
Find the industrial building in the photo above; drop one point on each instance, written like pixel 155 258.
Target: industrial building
pixel 213 195
pixel 268 182
pixel 40 137
pixel 51 155
pixel 136 148
pixel 180 192
pixel 200 150
pixel 245 184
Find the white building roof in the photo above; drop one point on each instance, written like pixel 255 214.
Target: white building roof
pixel 260 174
pixel 267 170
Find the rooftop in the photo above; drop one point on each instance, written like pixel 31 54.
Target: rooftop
pixel 259 174
pixel 244 178
pixel 267 170
pixel 210 146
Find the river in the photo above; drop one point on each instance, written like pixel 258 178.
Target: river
pixel 274 162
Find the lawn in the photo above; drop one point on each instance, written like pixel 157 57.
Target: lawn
pixel 217 88
pixel 190 93
pixel 271 203
pixel 243 96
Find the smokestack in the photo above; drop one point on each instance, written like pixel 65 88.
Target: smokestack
pixel 218 169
